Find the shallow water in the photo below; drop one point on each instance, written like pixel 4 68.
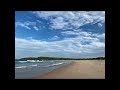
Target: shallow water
pixel 29 68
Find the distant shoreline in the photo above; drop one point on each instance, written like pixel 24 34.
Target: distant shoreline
pixel 60 58
pixel 83 69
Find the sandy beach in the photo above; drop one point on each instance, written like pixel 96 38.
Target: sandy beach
pixel 82 69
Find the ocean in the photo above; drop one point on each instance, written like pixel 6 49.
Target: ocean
pixel 29 68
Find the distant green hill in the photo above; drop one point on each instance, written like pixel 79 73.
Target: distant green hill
pixel 59 58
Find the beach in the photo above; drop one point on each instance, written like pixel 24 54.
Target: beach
pixel 79 69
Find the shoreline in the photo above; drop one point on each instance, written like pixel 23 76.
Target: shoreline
pixel 27 73
pixel 78 69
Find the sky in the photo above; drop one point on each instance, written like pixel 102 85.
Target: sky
pixel 72 34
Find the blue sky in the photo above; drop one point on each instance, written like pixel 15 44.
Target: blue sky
pixel 74 34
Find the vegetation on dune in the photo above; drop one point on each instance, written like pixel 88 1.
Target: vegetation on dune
pixel 59 58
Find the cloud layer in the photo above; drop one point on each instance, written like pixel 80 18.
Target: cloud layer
pixel 71 19
pixel 75 46
pixel 66 37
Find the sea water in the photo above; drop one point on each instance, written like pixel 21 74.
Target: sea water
pixel 30 68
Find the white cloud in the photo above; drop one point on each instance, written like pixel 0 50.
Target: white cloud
pixel 38 21
pixel 99 35
pixel 84 35
pixel 22 25
pixel 76 32
pixel 65 19
pixel 58 23
pixel 98 44
pixel 47 14
pixel 100 24
pixel 84 43
pixel 35 28
pixel 74 46
pixel 66 33
pixel 54 38
pixel 27 25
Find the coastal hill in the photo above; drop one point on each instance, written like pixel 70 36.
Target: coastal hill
pixel 59 58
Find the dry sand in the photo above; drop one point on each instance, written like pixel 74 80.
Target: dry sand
pixel 82 69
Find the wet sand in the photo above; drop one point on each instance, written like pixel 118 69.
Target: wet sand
pixel 79 69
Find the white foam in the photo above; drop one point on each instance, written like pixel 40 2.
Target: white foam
pixel 54 64
pixel 35 61
pixel 22 61
pixel 34 65
pixel 21 67
pixel 40 61
pixel 31 60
